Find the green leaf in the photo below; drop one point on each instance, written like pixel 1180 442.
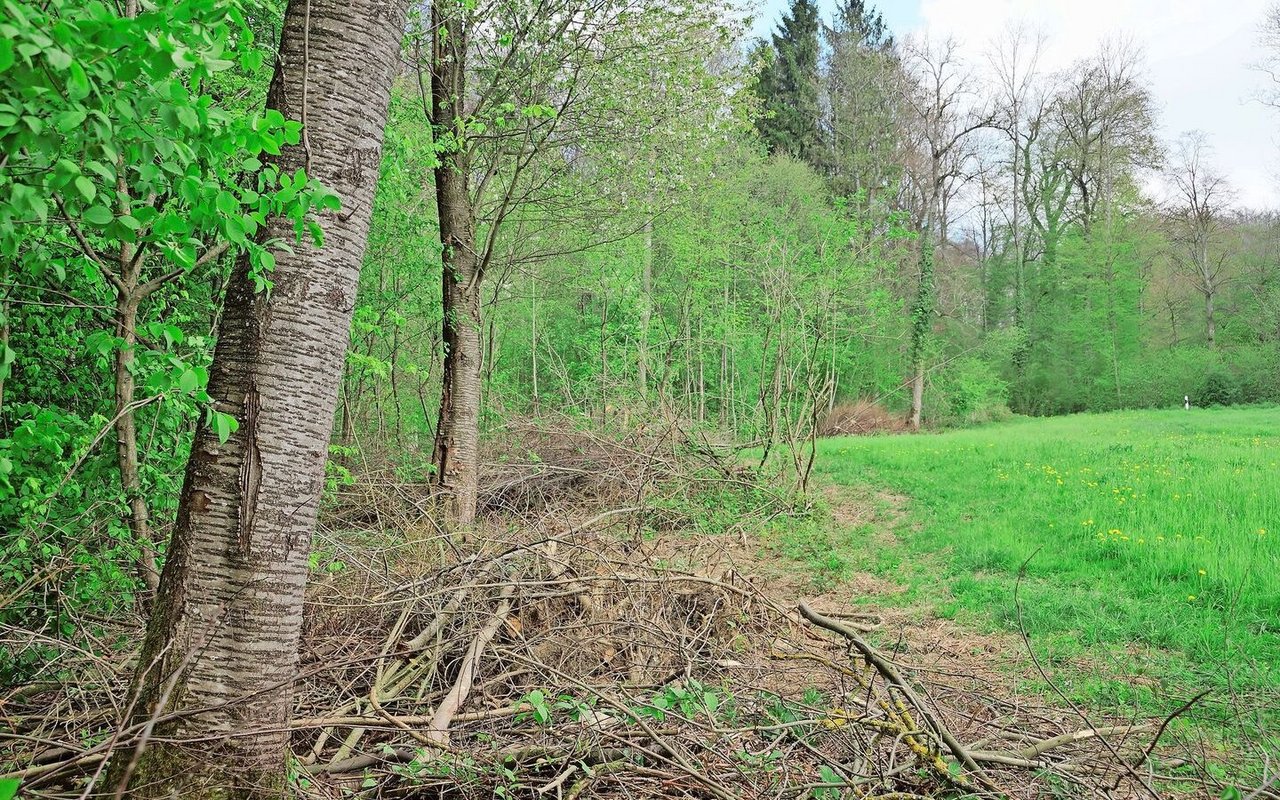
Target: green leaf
pixel 188 381
pixel 235 230
pixel 182 58
pixel 98 215
pixel 226 203
pixel 58 59
pixel 251 61
pixel 77 82
pixel 86 188
pixel 224 425
pixel 6 54
pixel 69 120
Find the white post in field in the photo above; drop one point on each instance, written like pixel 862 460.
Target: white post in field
pixel 1186 402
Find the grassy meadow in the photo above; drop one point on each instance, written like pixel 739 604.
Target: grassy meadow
pixel 1151 545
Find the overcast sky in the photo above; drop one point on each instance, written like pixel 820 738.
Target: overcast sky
pixel 1198 55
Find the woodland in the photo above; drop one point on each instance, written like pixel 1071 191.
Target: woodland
pixel 390 393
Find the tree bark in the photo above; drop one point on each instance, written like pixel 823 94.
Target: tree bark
pixel 1210 319
pixel 533 345
pixel 127 432
pixel 457 445
pixel 214 683
pixel 646 309
pixel 921 321
pixel 4 345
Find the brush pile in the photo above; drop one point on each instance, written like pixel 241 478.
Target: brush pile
pixel 570 647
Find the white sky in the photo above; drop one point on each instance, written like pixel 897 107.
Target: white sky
pixel 1198 61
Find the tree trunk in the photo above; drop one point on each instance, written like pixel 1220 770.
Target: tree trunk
pixel 127 434
pixel 214 683
pixel 533 345
pixel 457 446
pixel 1210 322
pixel 646 309
pixel 4 346
pixel 921 321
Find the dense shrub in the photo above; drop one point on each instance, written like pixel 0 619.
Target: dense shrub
pixel 1219 388
pixel 967 390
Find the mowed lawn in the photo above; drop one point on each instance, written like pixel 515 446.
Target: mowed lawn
pixel 1151 544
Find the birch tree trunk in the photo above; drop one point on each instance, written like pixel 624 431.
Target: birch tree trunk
pixel 215 680
pixel 457 445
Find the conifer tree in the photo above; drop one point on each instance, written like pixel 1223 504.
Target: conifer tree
pixel 863 24
pixel 788 84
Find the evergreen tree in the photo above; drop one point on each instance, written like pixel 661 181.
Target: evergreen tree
pixel 861 90
pixel 863 24
pixel 788 85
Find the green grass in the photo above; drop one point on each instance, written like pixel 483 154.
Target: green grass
pixel 1151 545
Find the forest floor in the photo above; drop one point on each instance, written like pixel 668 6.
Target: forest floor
pixel 640 615
pixel 1132 554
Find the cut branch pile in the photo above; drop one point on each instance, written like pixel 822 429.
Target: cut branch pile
pixel 557 655
pixel 565 665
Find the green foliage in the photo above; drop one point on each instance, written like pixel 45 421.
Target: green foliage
pixel 1219 388
pixel 132 163
pixel 966 390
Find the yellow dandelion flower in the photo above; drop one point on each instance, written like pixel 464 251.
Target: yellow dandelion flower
pixel 1191 598
pixel 1202 572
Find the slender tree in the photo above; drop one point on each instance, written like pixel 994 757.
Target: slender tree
pixel 1197 222
pixel 1269 65
pixel 942 122
pixel 457 444
pixel 213 691
pixel 532 139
